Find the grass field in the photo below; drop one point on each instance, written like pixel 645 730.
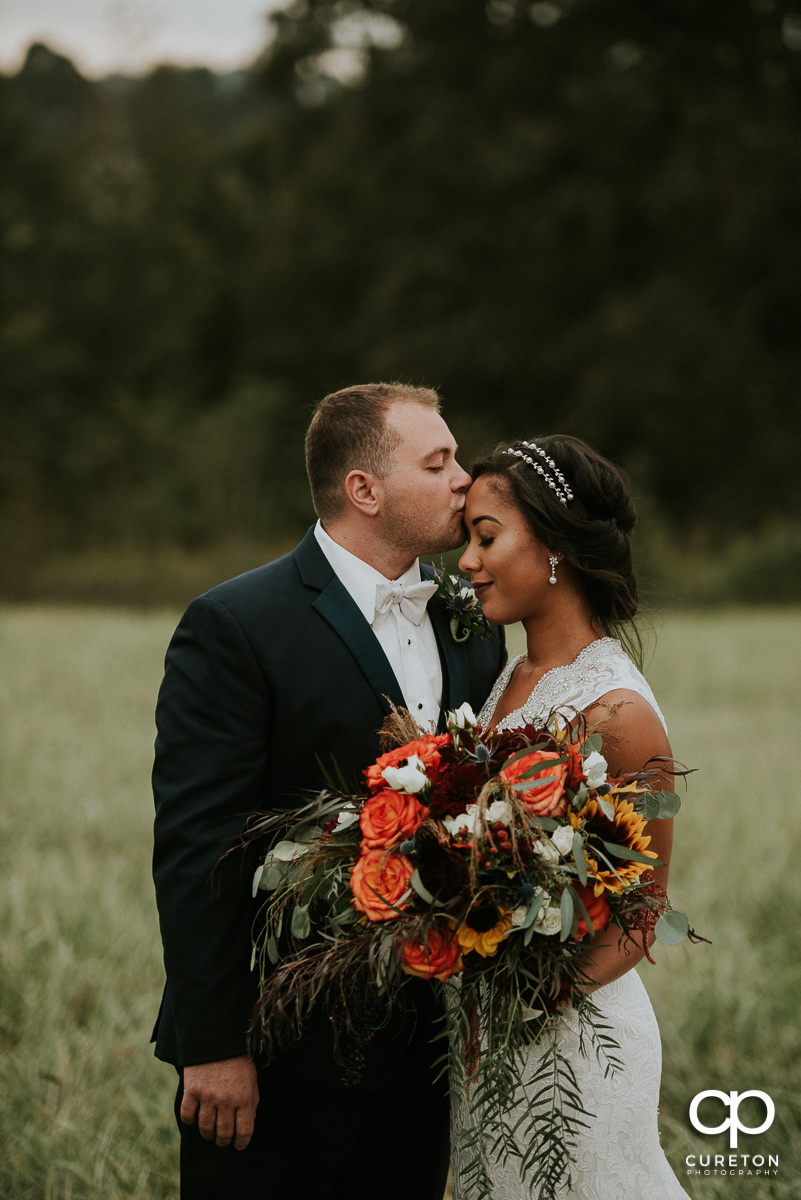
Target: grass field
pixel 85 1111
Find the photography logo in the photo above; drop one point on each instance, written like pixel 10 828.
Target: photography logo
pixel 731 1164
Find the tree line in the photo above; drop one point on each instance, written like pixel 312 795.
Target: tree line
pixel 570 215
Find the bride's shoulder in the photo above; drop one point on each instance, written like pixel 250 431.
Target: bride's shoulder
pixel 632 728
pixel 615 671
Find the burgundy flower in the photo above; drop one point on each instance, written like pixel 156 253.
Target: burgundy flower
pixel 454 789
pixel 442 870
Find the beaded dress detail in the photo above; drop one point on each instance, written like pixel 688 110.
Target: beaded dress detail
pixel 618 1155
pixel 601 667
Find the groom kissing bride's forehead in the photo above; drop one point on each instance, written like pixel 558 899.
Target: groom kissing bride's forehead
pixel 383 473
pixel 270 678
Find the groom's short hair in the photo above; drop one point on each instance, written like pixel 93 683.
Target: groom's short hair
pixel 348 432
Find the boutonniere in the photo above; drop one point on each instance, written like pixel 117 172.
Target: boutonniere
pixel 462 604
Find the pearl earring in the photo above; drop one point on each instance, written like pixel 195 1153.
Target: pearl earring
pixel 553 560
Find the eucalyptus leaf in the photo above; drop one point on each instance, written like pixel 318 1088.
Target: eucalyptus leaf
pixel 528 782
pixel 649 806
pixel 524 753
pixel 533 910
pixel 625 852
pixel 579 857
pixel 548 824
pixel 420 888
pixel 346 915
pixel 272 950
pixel 593 741
pixel 301 922
pixel 271 877
pixel 606 808
pixel 308 833
pixel 537 768
pixel 531 917
pixel 582 911
pixel 568 913
pixel 385 950
pixel 669 804
pixel 672 928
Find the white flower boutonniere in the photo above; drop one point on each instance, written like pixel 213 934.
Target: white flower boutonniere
pixel 462 604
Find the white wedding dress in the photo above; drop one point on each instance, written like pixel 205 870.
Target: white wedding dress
pixel 618 1156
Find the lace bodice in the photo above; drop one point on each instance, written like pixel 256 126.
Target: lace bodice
pixel 601 667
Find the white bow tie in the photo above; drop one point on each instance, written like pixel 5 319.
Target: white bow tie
pixel 411 600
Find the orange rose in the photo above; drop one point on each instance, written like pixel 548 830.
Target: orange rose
pixel 379 881
pixel 597 907
pixel 437 956
pixel 388 816
pixel 546 798
pixel 426 748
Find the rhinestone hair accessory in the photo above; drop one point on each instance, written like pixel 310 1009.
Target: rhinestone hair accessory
pixel 550 472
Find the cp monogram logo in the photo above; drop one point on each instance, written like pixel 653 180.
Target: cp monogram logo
pixel 732 1101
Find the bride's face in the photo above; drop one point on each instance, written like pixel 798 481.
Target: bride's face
pixel 508 565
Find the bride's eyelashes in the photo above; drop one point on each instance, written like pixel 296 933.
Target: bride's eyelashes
pixel 484 542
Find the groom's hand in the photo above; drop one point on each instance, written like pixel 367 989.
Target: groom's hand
pixel 222 1097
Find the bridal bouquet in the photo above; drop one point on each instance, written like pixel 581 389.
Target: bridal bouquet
pixel 485 863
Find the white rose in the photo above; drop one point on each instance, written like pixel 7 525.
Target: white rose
pixel 546 849
pixel 463 717
pixel 499 810
pixel 595 768
pixel 347 817
pixel 563 839
pixel 548 919
pixel 410 778
pixel 519 916
pixel 467 820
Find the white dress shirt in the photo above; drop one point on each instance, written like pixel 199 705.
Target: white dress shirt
pixel 411 649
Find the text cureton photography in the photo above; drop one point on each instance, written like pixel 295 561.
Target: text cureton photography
pixel 732 1164
pixel 754 1123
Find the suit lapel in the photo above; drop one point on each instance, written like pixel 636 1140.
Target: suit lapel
pixel 456 670
pixel 336 606
pixel 344 617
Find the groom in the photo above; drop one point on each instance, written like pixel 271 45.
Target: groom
pixel 269 675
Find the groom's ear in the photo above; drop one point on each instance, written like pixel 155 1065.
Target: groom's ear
pixel 362 491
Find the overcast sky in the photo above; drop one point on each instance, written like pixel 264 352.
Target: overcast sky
pixel 101 36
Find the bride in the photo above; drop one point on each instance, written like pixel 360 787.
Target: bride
pixel 549 526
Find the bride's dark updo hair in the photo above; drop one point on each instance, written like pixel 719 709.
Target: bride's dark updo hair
pixel 592 531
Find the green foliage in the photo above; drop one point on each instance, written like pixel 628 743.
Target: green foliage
pixel 84 1109
pixel 575 215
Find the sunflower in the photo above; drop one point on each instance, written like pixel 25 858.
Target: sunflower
pixel 625 829
pixel 484 941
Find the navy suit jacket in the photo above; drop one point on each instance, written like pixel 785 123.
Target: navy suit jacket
pixel 265 675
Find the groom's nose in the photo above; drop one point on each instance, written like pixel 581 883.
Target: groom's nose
pixel 461 481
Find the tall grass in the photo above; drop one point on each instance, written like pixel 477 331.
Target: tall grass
pixel 85 1111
